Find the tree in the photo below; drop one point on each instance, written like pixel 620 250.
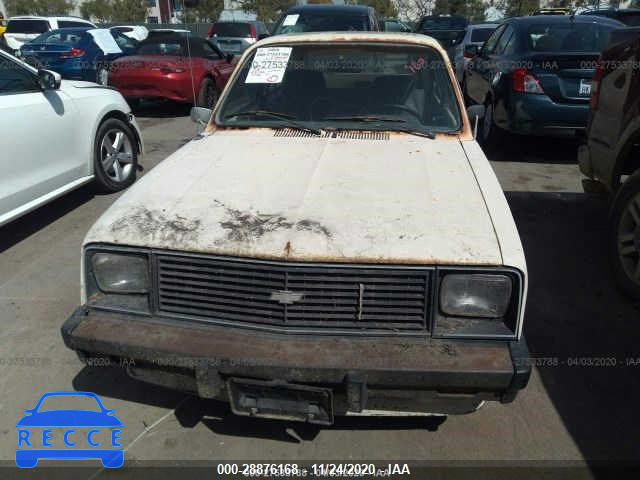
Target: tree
pixel 267 10
pixel 38 7
pixel 518 8
pixel 472 9
pixel 204 11
pixel 130 10
pixel 384 8
pixel 99 10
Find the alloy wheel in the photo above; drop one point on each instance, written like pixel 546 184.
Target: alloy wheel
pixel 116 155
pixel 629 239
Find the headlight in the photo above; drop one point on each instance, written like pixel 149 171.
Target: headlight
pixel 117 273
pixel 480 295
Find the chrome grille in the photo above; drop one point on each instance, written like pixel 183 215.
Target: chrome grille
pixel 294 296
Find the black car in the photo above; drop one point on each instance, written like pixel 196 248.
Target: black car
pixel 628 16
pixel 327 18
pixel 610 157
pixel 449 30
pixel 534 73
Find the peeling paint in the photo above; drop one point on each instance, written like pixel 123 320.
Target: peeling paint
pixel 146 223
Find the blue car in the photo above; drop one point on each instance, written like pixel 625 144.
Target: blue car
pixel 78 53
pixel 35 444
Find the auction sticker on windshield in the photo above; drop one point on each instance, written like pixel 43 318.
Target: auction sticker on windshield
pixel 269 65
pixel 290 20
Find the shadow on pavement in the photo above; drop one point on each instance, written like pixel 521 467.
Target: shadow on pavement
pixel 524 149
pixel 23 227
pixel 160 109
pixel 576 315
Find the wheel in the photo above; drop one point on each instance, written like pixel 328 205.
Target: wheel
pixel 624 237
pixel 491 135
pixel 208 95
pixel 102 76
pixel 115 156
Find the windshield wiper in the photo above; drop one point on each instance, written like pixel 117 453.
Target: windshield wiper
pixel 278 115
pixel 419 133
pixel 367 118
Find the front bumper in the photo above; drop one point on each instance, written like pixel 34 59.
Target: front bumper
pixel 364 374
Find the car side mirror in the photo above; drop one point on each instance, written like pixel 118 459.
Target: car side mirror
pixel 49 80
pixel 229 57
pixel 470 50
pixel 201 115
pixel 475 113
pixel 262 36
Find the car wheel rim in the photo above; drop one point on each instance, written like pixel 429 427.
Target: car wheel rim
pixel 103 76
pixel 629 239
pixel 116 155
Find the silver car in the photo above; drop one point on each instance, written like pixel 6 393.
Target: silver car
pixel 475 36
pixel 236 37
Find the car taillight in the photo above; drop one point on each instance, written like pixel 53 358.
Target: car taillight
pixel 211 31
pixel 525 82
pixel 595 85
pixel 73 53
pixel 252 31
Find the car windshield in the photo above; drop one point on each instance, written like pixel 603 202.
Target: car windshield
pixel 69 402
pixel 231 29
pixel 60 37
pixel 481 35
pixel 369 87
pixel 162 47
pixel 568 37
pixel 27 26
pixel 322 22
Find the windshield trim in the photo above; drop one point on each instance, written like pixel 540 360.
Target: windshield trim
pixel 463 131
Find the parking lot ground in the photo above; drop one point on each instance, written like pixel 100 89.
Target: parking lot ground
pixel 574 316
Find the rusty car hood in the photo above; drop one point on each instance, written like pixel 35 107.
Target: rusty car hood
pixel 247 193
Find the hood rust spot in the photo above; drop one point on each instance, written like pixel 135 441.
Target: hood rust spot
pixel 154 224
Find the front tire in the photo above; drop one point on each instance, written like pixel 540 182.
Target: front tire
pixel 115 156
pixel 208 95
pixel 624 237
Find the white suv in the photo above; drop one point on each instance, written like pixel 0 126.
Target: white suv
pixel 21 30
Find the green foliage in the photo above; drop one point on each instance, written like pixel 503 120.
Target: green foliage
pixel 38 7
pixel 205 11
pixel 115 10
pixel 518 8
pixel 472 9
pixel 267 10
pixel 99 10
pixel 384 8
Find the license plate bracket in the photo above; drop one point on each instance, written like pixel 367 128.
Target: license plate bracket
pixel 279 400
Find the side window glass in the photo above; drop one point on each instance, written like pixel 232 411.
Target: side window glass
pixel 15 79
pixel 490 45
pixel 504 40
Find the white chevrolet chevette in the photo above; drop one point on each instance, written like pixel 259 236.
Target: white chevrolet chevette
pixel 334 243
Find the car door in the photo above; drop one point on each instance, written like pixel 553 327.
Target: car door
pixel 483 67
pixel 39 152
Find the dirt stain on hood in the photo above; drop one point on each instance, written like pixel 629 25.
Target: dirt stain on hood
pixel 146 223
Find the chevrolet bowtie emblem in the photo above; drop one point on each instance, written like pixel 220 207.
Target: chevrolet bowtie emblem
pixel 286 296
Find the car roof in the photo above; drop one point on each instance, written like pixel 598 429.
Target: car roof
pixel 53 17
pixel 483 25
pixel 546 19
pixel 361 9
pixel 415 39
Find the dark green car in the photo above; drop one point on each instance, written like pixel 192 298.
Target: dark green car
pixel 534 74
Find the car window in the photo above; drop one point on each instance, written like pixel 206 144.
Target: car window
pixel 231 29
pixel 71 24
pixel 58 37
pixel 162 47
pixel 323 22
pixel 505 38
pixel 481 35
pixel 328 85
pixel 491 43
pixel 14 78
pixel 568 37
pixel 27 26
pixel 69 402
pixel 123 41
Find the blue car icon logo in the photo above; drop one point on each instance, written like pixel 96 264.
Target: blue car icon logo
pixel 69 433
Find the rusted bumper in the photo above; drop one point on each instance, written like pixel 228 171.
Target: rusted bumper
pixel 364 374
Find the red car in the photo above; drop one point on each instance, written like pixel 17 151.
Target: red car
pixel 184 69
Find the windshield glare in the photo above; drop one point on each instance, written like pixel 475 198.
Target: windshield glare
pixel 382 87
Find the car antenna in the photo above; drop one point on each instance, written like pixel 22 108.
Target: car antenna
pixel 193 86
